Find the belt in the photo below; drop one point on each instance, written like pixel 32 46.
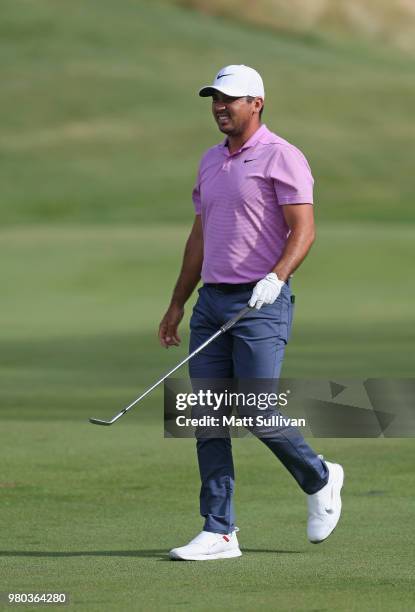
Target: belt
pixel 231 287
pixel 236 287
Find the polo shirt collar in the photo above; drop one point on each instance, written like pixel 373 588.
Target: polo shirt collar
pixel 256 136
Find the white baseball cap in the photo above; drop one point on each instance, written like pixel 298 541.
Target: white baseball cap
pixel 236 81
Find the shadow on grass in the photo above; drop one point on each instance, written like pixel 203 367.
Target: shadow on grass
pixel 153 552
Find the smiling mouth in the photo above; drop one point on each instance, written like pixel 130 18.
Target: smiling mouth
pixel 222 117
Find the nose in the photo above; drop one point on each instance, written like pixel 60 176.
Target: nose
pixel 219 105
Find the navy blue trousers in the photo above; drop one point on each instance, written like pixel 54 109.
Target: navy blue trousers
pixel 253 348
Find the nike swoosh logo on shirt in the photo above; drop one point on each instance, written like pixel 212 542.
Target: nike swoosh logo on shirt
pixel 249 160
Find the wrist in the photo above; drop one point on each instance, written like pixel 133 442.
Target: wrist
pixel 273 276
pixel 177 302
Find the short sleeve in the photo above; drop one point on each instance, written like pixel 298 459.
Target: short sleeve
pixel 196 195
pixel 291 174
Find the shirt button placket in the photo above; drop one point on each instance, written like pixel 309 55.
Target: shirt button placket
pixel 226 166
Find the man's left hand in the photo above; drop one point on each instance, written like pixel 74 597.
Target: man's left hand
pixel 266 291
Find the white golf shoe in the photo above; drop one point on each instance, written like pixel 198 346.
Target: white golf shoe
pixel 324 507
pixel 207 546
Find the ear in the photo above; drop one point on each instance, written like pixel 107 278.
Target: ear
pixel 258 104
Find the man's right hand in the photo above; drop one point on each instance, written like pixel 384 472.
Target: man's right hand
pixel 168 335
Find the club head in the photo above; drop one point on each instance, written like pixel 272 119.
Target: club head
pixel 99 422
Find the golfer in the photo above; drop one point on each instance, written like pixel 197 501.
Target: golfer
pixel 253 227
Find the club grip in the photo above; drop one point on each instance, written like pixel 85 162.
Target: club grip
pixel 236 318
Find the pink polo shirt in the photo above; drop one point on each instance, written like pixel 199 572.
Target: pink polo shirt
pixel 240 196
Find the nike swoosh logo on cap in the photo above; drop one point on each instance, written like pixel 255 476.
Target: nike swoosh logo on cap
pixel 222 75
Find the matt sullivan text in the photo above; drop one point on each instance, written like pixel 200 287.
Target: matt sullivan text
pixel 275 420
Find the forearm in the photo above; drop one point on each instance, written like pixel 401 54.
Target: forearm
pixel 191 267
pixel 300 220
pixel 298 245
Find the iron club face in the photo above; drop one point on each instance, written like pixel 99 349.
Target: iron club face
pixel 99 422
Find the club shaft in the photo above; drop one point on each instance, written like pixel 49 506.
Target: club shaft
pixel 147 391
pixel 220 331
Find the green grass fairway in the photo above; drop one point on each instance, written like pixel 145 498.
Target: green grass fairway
pixel 93 511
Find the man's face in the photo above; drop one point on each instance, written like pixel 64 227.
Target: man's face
pixel 233 115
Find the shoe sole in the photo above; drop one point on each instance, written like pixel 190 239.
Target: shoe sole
pixel 338 488
pixel 230 554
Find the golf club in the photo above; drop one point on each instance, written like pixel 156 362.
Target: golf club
pixel 220 331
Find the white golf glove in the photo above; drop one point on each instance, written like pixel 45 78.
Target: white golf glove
pixel 266 291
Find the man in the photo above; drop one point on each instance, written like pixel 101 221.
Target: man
pixel 253 227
